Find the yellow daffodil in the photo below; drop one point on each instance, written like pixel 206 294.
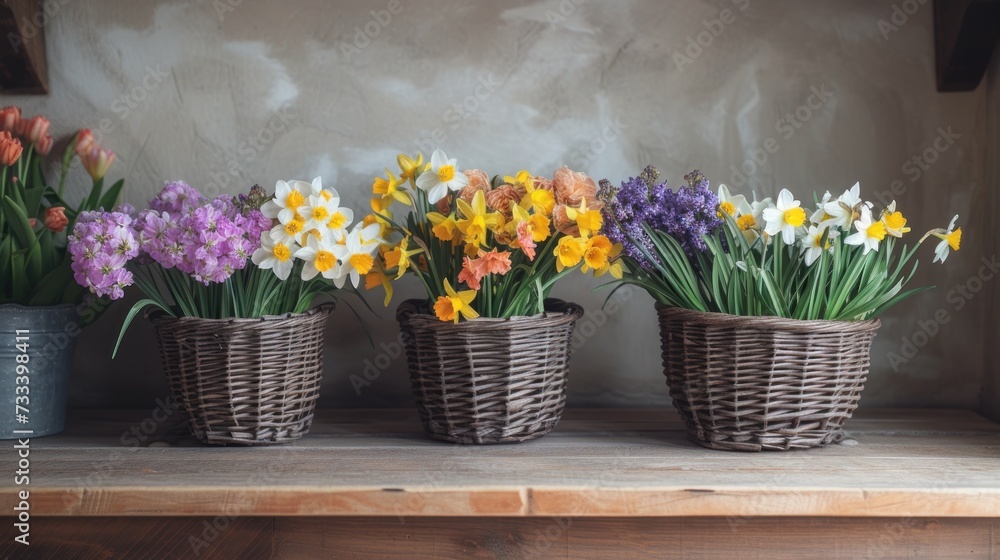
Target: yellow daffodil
pixel 951 240
pixel 399 257
pixel 455 304
pixel 540 200
pixel 378 277
pixel 569 252
pixel 410 168
pixel 539 225
pixel 389 189
pixel 476 220
pixel 589 221
pixel 598 254
pixel 895 223
pixel 444 227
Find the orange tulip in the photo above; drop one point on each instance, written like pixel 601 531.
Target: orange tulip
pixel 44 146
pixel 97 161
pixel 33 129
pixel 55 219
pixel 84 142
pixel 10 118
pixel 10 149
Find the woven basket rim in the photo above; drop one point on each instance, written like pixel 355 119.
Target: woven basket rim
pixel 711 318
pixel 160 317
pixel 558 312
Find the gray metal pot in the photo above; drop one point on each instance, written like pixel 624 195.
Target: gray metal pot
pixel 50 334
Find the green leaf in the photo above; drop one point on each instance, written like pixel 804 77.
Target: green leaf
pixel 139 306
pixel 19 222
pixel 95 196
pixel 51 289
pixel 110 198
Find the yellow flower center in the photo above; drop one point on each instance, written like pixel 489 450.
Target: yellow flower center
pixel 362 263
pixel 595 257
pixel 445 231
pixel 337 221
pixel 294 199
pixel 543 200
pixel 538 225
pixel 281 252
pixel 294 227
pixel 445 308
pixel 327 195
pixel 954 239
pixel 325 260
pixel 320 213
pixel 728 208
pixel 446 173
pixel 795 217
pixel 746 221
pixel 895 221
pixel 876 231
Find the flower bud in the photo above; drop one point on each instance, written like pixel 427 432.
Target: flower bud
pixel 55 219
pixel 10 118
pixel 97 161
pixel 10 149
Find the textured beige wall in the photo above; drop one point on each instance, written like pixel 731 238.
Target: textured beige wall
pixel 225 94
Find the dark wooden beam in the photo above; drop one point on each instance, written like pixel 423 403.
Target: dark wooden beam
pixel 965 34
pixel 22 47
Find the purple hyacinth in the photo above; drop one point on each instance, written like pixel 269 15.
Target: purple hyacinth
pixel 687 214
pixel 206 239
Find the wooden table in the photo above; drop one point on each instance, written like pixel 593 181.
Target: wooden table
pixel 604 484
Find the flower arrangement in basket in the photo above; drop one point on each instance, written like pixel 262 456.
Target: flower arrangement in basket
pixel 37 292
pixel 767 310
pixel 233 281
pixel 488 350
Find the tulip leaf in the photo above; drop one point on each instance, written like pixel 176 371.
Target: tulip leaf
pixel 51 288
pixel 18 281
pixel 33 200
pixel 110 198
pixel 95 196
pixel 139 306
pixel 19 222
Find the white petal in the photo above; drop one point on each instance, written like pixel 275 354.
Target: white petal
pixel 785 199
pixel 283 269
pixel 459 182
pixel 856 238
pixel 309 271
pixel 437 193
pixel 438 160
pixel 951 226
pixel 788 235
pixel 427 181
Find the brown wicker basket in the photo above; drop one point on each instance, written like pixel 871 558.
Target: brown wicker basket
pixel 764 383
pixel 489 380
pixel 245 381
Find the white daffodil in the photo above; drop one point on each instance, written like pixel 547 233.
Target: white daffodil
pixel 820 215
pixel 288 197
pixel 317 212
pixel 845 209
pixel 735 206
pixel 786 217
pixel 275 256
pixel 951 239
pixel 355 255
pixel 813 244
pixel 319 258
pixel 751 223
pixel 869 232
pixel 441 177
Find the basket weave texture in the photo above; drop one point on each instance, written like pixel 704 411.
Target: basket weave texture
pixel 489 380
pixel 245 381
pixel 763 383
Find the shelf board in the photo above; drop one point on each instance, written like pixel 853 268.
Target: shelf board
pixel 598 462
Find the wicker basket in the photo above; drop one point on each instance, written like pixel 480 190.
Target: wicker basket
pixel 245 381
pixel 489 380
pixel 764 383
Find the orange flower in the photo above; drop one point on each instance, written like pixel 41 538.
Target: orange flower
pixel 468 274
pixel 452 305
pixel 525 239
pixel 572 187
pixel 10 149
pixel 495 262
pixel 44 146
pixel 563 223
pixel 84 142
pixel 97 161
pixel 478 181
pixel 55 219
pixel 499 199
pixel 10 118
pixel 33 129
